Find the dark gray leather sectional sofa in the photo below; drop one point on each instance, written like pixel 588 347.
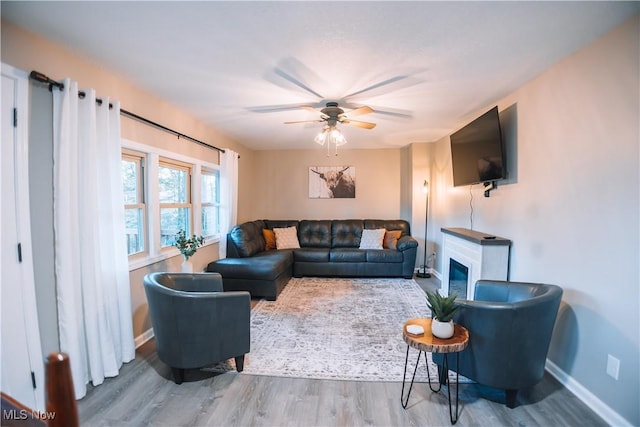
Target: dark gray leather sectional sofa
pixel 327 248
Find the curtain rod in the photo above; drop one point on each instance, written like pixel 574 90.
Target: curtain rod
pixel 35 75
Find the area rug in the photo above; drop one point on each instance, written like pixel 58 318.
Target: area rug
pixel 339 329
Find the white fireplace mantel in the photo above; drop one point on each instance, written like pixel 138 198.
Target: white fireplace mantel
pixel 484 255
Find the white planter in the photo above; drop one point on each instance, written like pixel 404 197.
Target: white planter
pixel 187 267
pixel 442 330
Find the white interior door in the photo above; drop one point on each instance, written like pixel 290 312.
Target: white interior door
pixel 22 373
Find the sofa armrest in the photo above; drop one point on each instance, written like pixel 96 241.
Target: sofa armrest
pixel 407 242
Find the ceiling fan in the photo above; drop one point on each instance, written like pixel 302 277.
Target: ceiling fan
pixel 332 114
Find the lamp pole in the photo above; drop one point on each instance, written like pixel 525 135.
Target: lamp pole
pixel 425 190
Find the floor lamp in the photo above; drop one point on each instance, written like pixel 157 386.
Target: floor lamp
pixel 425 190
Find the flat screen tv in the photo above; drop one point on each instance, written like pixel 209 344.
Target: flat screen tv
pixel 477 151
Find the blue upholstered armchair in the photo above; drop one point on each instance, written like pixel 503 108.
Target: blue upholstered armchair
pixel 195 323
pixel 510 326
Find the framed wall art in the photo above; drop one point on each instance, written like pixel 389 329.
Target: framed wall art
pixel 332 182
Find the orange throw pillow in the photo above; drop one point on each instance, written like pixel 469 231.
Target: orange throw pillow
pixel 391 239
pixel 269 239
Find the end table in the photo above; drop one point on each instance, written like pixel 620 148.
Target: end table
pixel 427 343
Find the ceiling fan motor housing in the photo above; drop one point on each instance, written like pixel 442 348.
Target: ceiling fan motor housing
pixel 333 112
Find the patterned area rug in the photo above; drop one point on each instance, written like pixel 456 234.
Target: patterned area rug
pixel 340 329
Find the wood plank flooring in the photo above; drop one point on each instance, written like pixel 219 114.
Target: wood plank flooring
pixel 145 394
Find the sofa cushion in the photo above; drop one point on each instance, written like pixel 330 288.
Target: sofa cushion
pixel 315 234
pixel 247 237
pixel 391 239
pixel 286 238
pixel 347 255
pixel 346 233
pixel 311 255
pixel 372 239
pixel 385 255
pixel 269 239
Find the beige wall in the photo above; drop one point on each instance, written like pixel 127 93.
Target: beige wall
pixel 281 184
pixel 571 207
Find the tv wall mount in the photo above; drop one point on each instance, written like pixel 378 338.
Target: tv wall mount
pixel 489 186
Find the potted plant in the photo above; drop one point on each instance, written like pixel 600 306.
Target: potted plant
pixel 442 311
pixel 187 247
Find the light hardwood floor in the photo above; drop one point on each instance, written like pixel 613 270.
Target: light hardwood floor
pixel 144 394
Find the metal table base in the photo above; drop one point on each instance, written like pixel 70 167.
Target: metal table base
pixel 443 377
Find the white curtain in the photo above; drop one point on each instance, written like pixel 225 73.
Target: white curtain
pixel 228 196
pixel 91 266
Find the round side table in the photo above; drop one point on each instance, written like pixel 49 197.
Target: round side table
pixel 427 343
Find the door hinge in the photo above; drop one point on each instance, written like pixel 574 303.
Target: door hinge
pixel 19 252
pixel 15 117
pixel 33 379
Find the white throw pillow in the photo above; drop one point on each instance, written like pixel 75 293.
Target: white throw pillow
pixel 286 238
pixel 372 239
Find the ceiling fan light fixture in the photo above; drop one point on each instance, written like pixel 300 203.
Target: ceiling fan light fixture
pixel 331 115
pixel 321 137
pixel 336 137
pixel 332 136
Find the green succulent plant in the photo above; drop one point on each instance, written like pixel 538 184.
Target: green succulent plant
pixel 188 246
pixel 442 308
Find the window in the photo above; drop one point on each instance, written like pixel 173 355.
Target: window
pixel 210 202
pixel 174 191
pixel 165 192
pixel 134 206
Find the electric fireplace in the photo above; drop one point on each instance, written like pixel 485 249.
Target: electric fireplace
pixel 469 256
pixel 458 278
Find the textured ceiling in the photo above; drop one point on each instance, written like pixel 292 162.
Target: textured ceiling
pixel 246 67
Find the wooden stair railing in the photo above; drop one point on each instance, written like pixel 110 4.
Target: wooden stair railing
pixel 61 399
pixel 61 407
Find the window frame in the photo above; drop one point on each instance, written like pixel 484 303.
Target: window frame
pixel 138 158
pixel 152 158
pixel 165 162
pixel 215 204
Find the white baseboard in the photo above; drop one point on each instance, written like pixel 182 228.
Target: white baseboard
pixel 144 337
pixel 591 400
pixel 436 274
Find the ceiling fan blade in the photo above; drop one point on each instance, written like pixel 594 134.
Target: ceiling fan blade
pixel 358 123
pixel 401 81
pixel 304 121
pixel 296 82
pixel 309 108
pixel 274 108
pixel 377 85
pixel 394 112
pixel 359 111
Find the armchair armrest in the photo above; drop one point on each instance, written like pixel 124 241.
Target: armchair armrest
pixel 193 282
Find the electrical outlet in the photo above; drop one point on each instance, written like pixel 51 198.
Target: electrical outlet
pixel 613 366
